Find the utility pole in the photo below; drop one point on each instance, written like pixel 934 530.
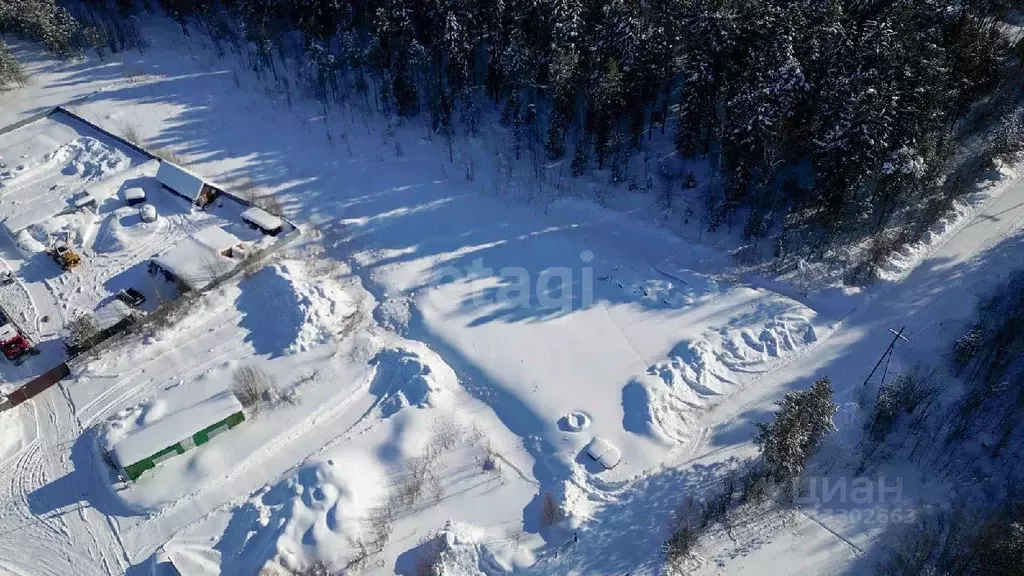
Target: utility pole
pixel 887 355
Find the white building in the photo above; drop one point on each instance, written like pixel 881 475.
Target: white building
pixel 198 260
pixel 186 184
pixel 262 220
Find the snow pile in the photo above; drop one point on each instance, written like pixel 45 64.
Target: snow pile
pixel 407 378
pixel 307 311
pixel 458 549
pixel 666 401
pixel 89 158
pixel 321 304
pixel 774 339
pixel 78 227
pixel 28 243
pixel 125 231
pixel 317 515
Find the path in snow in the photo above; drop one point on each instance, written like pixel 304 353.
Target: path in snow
pixel 49 529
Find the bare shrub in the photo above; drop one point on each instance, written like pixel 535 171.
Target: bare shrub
pixel 757 486
pixel 252 385
pixel 444 437
pixel 318 569
pixel 247 190
pixel 131 134
pixel 489 461
pixel 551 512
pixel 901 395
pixel 170 156
pixel 81 330
pixel 685 532
pixel 966 348
pixel 380 521
pixel 1008 142
pixel 254 262
pixel 211 269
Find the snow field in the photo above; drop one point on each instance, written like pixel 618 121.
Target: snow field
pixel 667 360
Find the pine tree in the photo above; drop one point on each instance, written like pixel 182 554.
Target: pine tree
pixel 804 418
pixel 11 73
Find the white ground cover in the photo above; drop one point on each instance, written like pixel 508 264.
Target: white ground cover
pixel 51 164
pixel 427 317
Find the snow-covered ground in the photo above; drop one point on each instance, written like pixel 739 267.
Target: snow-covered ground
pixel 428 328
pixel 50 165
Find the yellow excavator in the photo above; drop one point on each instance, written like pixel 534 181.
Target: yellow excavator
pixel 64 256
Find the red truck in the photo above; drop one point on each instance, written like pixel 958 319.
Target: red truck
pixel 14 343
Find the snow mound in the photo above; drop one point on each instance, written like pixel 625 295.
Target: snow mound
pixel 89 158
pixel 125 231
pixel 407 378
pixel 774 339
pixel 458 549
pixel 322 306
pixel 576 421
pixel 694 369
pixel 305 311
pixel 28 243
pixel 666 402
pixel 318 514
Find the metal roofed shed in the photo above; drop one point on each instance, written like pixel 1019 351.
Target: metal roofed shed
pixel 198 260
pixel 259 218
pixel 186 184
pixel 134 195
pixel 177 433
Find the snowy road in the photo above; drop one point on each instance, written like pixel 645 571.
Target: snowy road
pixel 48 527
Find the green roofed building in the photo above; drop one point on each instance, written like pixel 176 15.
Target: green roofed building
pixel 176 433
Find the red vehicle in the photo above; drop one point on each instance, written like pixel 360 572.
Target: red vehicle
pixel 13 342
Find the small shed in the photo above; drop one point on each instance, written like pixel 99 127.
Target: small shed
pixel 194 262
pixel 86 202
pixel 602 450
pixel 186 184
pixel 176 434
pixel 260 219
pixel 134 196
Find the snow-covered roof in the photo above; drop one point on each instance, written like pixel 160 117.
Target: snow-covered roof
pixel 84 200
pixel 7 331
pixel 603 451
pixel 199 259
pixel 174 427
pixel 134 193
pixel 181 180
pixel 111 313
pixel 262 218
pixel 33 211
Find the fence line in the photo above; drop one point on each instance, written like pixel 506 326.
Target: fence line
pixel 62 370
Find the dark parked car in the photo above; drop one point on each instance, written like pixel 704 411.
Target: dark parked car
pixel 131 297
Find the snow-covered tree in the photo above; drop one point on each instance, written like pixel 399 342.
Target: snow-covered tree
pixel 11 73
pixel 804 418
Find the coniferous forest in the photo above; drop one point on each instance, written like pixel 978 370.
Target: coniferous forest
pixel 831 123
